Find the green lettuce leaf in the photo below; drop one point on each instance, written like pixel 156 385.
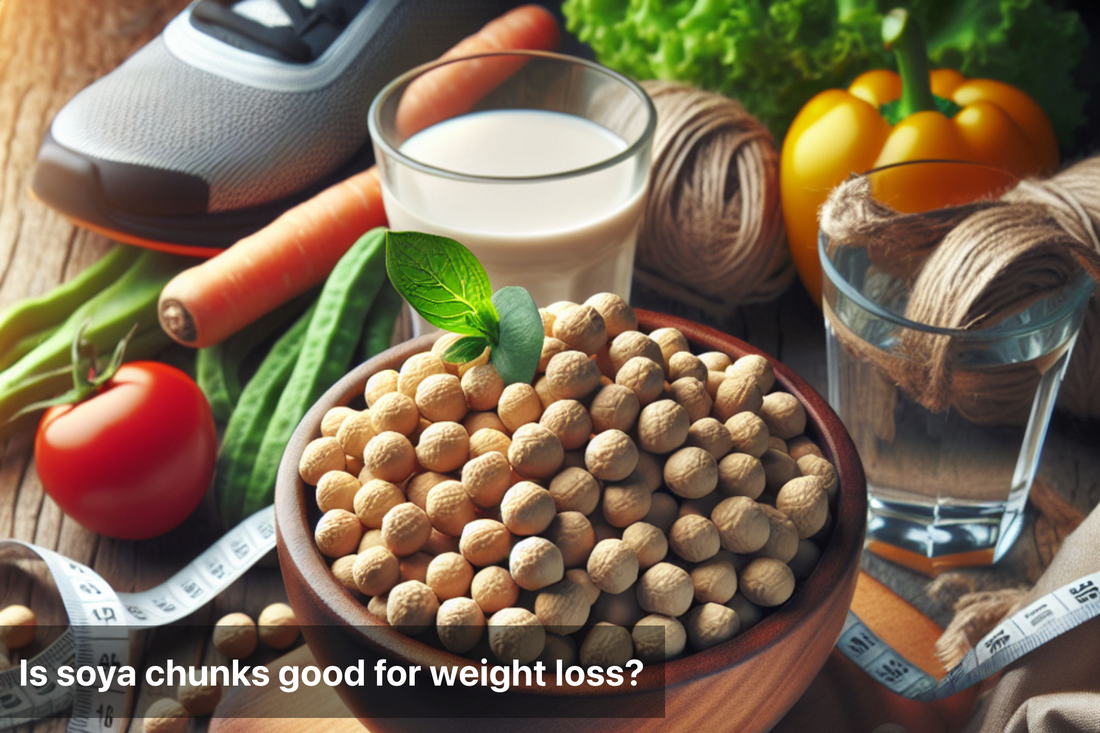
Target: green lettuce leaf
pixel 774 55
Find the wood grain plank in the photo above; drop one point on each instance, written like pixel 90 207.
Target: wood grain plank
pixel 33 241
pixel 801 333
pixel 50 50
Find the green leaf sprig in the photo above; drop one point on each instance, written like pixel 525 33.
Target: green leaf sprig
pixel 448 287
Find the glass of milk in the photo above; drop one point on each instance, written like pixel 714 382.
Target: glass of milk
pixel 535 161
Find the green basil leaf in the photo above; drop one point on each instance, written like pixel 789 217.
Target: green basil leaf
pixel 466 349
pixel 491 319
pixel 441 280
pixel 516 356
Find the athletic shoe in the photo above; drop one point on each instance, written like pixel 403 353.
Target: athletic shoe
pixel 235 113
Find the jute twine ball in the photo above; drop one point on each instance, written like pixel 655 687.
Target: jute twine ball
pixel 971 267
pixel 713 234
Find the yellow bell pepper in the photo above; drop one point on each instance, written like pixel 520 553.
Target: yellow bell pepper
pixel 885 118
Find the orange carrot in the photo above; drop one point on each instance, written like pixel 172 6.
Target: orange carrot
pixel 211 301
pixel 454 89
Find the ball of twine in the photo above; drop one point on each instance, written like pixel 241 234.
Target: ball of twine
pixel 713 232
pixel 969 268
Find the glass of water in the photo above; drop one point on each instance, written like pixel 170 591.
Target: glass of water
pixel 948 487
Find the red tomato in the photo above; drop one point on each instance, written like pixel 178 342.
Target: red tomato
pixel 133 461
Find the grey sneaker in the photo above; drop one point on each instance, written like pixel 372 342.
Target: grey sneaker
pixel 235 113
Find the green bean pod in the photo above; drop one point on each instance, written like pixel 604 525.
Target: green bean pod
pixel 218 367
pixel 326 354
pixel 245 430
pixel 28 317
pixel 25 345
pixel 378 331
pixel 212 374
pixel 143 345
pixel 108 317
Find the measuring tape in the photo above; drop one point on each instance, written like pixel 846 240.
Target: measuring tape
pixel 101 619
pixel 100 622
pixel 1028 629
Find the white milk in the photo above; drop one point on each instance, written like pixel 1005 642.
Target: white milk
pixel 563 239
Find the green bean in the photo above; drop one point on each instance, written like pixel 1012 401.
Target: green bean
pixel 326 354
pixel 44 385
pixel 378 331
pixel 24 346
pixel 212 375
pixel 107 318
pixel 28 317
pixel 245 430
pixel 218 367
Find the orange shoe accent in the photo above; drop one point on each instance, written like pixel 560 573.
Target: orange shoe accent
pixel 176 249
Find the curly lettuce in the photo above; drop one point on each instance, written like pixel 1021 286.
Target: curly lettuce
pixel 774 55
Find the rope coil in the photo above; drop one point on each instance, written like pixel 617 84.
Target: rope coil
pixel 713 232
pixel 971 267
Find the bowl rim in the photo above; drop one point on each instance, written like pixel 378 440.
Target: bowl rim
pixel 339 608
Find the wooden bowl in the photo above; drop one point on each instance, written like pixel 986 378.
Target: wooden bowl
pixel 745 684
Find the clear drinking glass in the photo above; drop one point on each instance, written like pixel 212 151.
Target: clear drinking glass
pixel 537 162
pixel 946 488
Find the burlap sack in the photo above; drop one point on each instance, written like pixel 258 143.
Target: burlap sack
pixel 1056 688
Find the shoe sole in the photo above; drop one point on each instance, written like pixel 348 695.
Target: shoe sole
pixel 69 183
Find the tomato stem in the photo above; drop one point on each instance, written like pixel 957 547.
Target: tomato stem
pixel 87 379
pixel 903 35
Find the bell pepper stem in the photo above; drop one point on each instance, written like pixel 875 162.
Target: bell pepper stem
pixel 903 36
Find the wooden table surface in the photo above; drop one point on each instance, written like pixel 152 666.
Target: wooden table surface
pixel 49 50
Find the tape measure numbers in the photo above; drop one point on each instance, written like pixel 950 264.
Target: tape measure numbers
pixel 100 622
pixel 101 619
pixel 1026 630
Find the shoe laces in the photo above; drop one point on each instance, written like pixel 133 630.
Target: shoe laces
pixel 304 16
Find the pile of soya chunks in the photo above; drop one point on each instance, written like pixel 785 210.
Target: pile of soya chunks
pixel 635 500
